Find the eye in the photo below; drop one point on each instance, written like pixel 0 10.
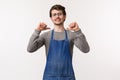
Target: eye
pixel 55 14
pixel 59 14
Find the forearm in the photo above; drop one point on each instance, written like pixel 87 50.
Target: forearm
pixel 81 42
pixel 34 42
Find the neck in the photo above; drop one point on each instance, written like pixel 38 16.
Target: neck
pixel 59 28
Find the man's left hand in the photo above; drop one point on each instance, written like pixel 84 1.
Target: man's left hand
pixel 73 26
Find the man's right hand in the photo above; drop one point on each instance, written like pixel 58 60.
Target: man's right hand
pixel 42 26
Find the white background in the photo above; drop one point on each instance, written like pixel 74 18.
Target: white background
pixel 99 20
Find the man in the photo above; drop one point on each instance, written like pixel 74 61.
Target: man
pixel 59 44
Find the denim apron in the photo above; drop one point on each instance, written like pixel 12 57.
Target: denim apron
pixel 59 60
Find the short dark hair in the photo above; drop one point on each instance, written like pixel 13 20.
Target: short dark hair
pixel 57 7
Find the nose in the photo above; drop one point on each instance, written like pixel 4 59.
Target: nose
pixel 57 15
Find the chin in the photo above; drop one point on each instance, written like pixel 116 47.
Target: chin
pixel 58 23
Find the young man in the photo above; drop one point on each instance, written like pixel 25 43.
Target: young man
pixel 59 44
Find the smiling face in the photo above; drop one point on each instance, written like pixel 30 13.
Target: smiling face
pixel 57 17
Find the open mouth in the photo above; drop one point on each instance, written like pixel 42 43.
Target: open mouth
pixel 57 19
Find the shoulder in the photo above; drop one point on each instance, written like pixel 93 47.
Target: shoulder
pixel 73 35
pixel 46 34
pixel 70 34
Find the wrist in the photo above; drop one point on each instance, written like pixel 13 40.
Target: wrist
pixel 38 29
pixel 37 32
pixel 77 29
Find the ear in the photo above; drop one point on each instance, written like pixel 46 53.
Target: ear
pixel 64 18
pixel 51 18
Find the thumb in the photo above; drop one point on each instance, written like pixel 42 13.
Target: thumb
pixel 67 28
pixel 47 28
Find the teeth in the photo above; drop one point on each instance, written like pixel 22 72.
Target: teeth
pixel 57 19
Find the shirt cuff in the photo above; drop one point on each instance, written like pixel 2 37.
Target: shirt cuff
pixel 36 32
pixel 78 32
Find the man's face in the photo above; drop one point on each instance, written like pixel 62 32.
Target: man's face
pixel 57 17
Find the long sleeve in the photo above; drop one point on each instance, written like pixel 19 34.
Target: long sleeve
pixel 81 42
pixel 36 41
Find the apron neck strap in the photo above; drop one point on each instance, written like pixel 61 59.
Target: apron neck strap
pixel 66 37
